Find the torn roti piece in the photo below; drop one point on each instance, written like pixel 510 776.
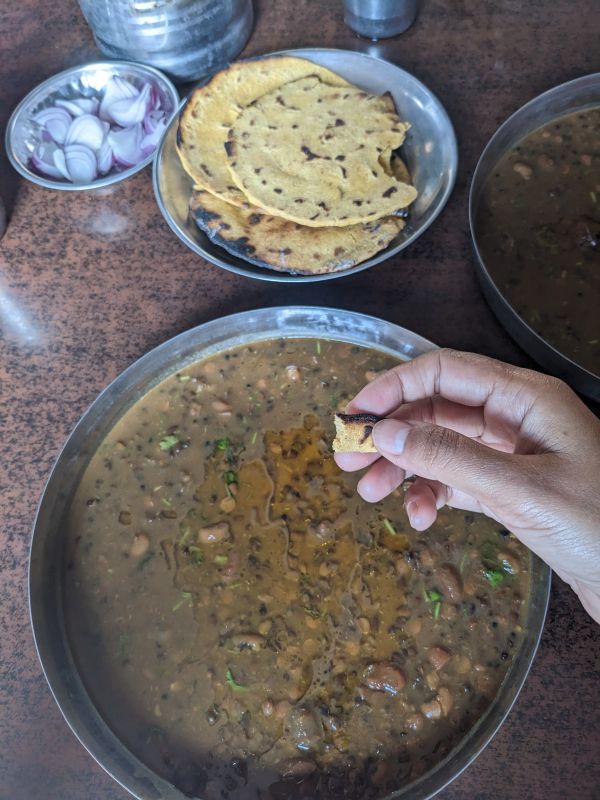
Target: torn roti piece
pixel 353 433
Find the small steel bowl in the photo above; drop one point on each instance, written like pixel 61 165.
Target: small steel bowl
pixel 23 134
pixel 557 102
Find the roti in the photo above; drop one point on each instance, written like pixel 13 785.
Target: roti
pixel 213 108
pixel 285 246
pixel 276 243
pixel 319 155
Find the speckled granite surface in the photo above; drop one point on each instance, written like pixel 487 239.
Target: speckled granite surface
pixel 89 282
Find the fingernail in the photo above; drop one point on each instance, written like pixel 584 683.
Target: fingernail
pixel 412 511
pixel 390 435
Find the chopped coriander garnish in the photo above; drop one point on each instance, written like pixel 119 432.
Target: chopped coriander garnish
pixel 184 378
pixel 432 596
pixel 494 576
pixel 389 527
pixel 185 533
pixel 254 437
pixel 334 401
pixel 312 612
pixel 197 554
pixel 223 444
pixel 221 560
pixel 186 597
pixel 437 607
pixel 318 346
pixel 237 687
pixel 230 477
pixel 168 442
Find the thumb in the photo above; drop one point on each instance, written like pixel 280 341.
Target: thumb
pixel 442 454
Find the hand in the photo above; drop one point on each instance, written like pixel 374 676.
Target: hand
pixel 486 436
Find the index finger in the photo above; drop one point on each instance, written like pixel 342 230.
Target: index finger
pixel 465 378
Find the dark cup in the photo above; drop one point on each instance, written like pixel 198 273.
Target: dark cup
pixel 380 19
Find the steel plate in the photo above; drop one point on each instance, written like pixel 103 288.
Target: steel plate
pixel 430 150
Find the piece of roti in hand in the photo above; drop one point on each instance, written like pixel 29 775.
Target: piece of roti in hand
pixel 354 433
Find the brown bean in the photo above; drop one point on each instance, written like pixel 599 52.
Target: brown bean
pixel 461 664
pixel 267 708
pixel 524 170
pixel 509 561
pixel 445 699
pixel 221 406
pixel 364 625
pixel 297 768
pixel 227 505
pixel 415 722
pixel 432 710
pixel 139 545
pixel 302 727
pixel 438 657
pixel 449 582
pixel 214 533
pixel 432 679
pixel 385 677
pixel 281 709
pixel 413 626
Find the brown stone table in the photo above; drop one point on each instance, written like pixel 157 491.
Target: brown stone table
pixel 90 282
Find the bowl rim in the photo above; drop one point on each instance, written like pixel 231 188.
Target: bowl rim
pixel 106 180
pixel 262 273
pixel 579 374
pixel 61 673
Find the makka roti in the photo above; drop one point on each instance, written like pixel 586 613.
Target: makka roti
pixel 316 154
pixel 213 108
pixel 279 244
pixel 276 243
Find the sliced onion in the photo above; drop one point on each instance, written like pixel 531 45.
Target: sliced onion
pixel 116 89
pixel 152 119
pixel 81 163
pixel 56 122
pixel 41 165
pixel 60 163
pixel 130 110
pixel 88 130
pixel 127 145
pixel 89 105
pixel 155 101
pixel 105 157
pixel 70 106
pixel 151 140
